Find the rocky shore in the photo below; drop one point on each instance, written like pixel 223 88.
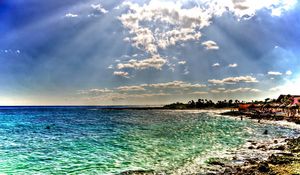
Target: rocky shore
pixel 283 160
pixel 282 157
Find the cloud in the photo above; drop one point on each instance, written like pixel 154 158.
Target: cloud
pixel 289 86
pixel 233 65
pixel 117 97
pixel 277 88
pixel 94 91
pixel 234 80
pixel 274 73
pixel 154 90
pixel 182 62
pixel 10 51
pixel 159 24
pixel 175 85
pixel 216 65
pixel 288 72
pixel 237 90
pixel 131 88
pixel 98 8
pixel 186 71
pixel 210 45
pixel 241 90
pixel 71 15
pixel 153 62
pixel 199 93
pixel 248 8
pixel 121 73
pixel 181 24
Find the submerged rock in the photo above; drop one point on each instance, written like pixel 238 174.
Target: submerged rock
pixel 263 167
pixel 261 147
pixel 251 147
pixel 138 172
pixel 281 148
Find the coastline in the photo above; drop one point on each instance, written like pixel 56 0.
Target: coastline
pixel 272 156
pixel 277 156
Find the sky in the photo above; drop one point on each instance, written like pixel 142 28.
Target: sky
pixel 147 52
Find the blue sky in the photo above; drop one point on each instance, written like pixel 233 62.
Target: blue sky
pixel 147 51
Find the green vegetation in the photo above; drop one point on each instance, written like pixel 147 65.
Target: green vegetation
pixel 203 104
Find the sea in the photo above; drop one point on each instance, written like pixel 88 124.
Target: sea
pixel 98 140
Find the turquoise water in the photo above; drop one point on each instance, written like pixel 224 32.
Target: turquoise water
pixel 86 141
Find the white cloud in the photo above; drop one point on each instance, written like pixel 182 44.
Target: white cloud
pixel 237 90
pixel 175 85
pixel 180 24
pixel 154 62
pixel 131 88
pixel 121 73
pixel 234 80
pixel 241 90
pixel 248 8
pixel 277 88
pixel 159 24
pixel 94 91
pixel 182 62
pixel 210 45
pixel 99 8
pixel 216 65
pixel 148 90
pixel 215 91
pixel 274 73
pixel 288 72
pixel 288 87
pixel 233 65
pixel 186 71
pixel 199 93
pixel 71 15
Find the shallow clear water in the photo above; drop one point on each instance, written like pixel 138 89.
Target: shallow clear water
pixel 85 141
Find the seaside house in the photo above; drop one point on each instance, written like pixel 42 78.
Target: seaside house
pixel 244 107
pixel 292 104
pixel 296 100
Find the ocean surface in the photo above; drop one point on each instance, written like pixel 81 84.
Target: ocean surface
pixel 84 140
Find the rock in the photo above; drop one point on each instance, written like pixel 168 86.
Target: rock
pixel 265 132
pixel 281 148
pixel 252 161
pixel 48 127
pixel 261 147
pixel 279 160
pixel 287 154
pixel 228 171
pixel 132 172
pixel 254 143
pixel 275 141
pixel 250 147
pixel 216 163
pixel 263 167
